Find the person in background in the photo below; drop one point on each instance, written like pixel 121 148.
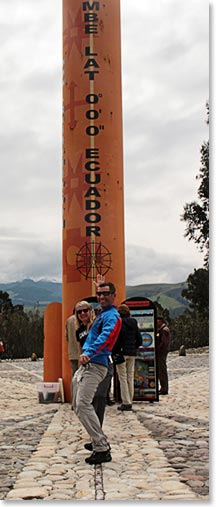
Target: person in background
pixel 94 362
pixel 110 401
pixel 1 348
pixel 84 317
pixel 163 346
pixel 72 324
pixel 124 354
pixel 73 350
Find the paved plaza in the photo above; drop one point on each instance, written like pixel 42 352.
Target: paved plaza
pixel 159 450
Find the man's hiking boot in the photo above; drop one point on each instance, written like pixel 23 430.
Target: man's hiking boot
pixel 88 446
pixel 124 407
pixel 97 458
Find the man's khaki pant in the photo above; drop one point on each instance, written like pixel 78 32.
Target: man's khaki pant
pixel 85 383
pixel 126 378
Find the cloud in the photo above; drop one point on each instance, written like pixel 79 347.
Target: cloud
pixel 165 87
pixel 29 257
pixel 145 265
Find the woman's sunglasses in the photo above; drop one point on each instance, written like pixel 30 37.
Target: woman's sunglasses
pixel 84 310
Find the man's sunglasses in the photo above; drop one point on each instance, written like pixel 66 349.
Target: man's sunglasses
pixel 84 310
pixel 104 293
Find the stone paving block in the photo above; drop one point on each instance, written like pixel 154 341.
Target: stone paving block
pixel 27 493
pixel 159 450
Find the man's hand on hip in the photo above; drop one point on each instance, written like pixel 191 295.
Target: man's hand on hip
pixel 84 358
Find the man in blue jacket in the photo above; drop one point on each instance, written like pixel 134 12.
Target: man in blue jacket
pixel 94 363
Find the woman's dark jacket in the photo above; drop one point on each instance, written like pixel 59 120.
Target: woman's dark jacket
pixel 129 339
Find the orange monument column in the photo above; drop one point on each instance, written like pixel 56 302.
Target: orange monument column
pixel 93 207
pixel 53 342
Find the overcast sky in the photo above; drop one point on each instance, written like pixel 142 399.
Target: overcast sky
pixel 165 88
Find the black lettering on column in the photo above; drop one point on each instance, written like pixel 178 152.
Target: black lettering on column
pixel 92 191
pixel 92 229
pixel 93 178
pixel 92 218
pixel 87 6
pixel 92 205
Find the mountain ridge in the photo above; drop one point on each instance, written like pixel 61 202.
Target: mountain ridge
pixel 38 294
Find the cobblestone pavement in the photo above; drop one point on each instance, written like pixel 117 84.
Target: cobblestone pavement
pixel 159 450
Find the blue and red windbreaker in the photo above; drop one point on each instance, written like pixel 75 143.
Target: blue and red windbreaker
pixel 103 335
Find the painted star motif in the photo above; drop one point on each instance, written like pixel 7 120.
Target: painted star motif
pixel 74 33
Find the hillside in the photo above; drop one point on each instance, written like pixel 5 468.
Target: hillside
pixel 33 294
pixel 39 294
pixel 167 294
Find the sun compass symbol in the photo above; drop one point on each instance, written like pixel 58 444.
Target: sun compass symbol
pixel 92 259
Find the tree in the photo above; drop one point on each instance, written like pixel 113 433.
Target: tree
pixel 197 291
pixel 196 213
pixel 189 329
pixel 5 302
pixel 21 332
